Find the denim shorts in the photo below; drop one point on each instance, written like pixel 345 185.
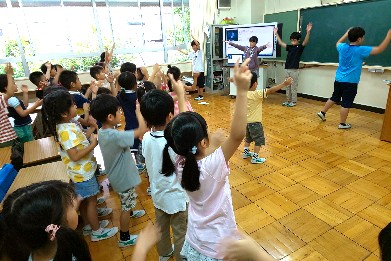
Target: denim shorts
pixel 87 189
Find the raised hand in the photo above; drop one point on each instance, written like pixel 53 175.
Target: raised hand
pixel 177 86
pixel 242 76
pixel 309 26
pixel 275 30
pixel 25 88
pixel 110 78
pixel 9 70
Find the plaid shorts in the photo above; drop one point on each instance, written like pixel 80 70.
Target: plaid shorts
pixel 128 199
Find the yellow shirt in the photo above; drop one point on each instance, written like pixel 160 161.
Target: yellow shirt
pixel 254 105
pixel 71 136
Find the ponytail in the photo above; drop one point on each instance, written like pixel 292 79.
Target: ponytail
pixel 167 167
pixel 191 173
pixel 70 243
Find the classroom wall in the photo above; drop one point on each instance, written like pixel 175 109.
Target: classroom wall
pixel 244 11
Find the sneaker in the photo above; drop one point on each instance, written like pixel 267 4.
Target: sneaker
pixel 103 233
pixel 346 126
pixel 199 98
pixel 140 167
pixel 245 155
pixel 138 213
pixel 100 200
pixel 321 116
pixel 104 211
pixel 285 103
pixel 149 191
pixel 87 228
pixel 130 242
pixel 166 257
pixel 257 160
pixel 291 104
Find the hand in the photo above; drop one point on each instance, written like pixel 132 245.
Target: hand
pixel 227 42
pixel 93 87
pixel 110 78
pixel 217 138
pixel 38 102
pixel 9 70
pixel 25 88
pixel 288 81
pixel 156 68
pixel 92 122
pixel 59 70
pixel 309 26
pixel 48 65
pixel 42 84
pixel 94 139
pixel 177 86
pixel 268 45
pixel 275 30
pixel 148 237
pixel 242 76
pixel 86 107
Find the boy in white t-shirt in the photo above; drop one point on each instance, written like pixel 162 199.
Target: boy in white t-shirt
pixel 198 67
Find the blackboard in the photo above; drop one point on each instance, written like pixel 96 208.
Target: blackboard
pixel 331 22
pixel 289 25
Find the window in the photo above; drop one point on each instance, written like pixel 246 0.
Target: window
pixel 73 33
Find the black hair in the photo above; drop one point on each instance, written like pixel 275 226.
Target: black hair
pixel 193 43
pixel 140 75
pixel 44 69
pixel 3 82
pixel 52 88
pixel 84 88
pixel 127 81
pixel 184 132
pixel 103 90
pixel 128 67
pixel 295 36
pixel 155 106
pixel 355 33
pixel 254 79
pixel 35 77
pixel 103 57
pixel 145 87
pixel 103 105
pixel 253 39
pixel 95 70
pixel 66 78
pixel 385 243
pixel 55 104
pixel 176 73
pixel 29 210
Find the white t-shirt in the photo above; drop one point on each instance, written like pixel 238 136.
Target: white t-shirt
pixel 167 192
pixel 196 57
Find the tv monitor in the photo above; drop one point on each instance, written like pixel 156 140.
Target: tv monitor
pixel 232 58
pixel 240 34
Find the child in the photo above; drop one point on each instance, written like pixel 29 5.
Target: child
pixel 7 133
pixel 119 165
pixel 295 49
pixel 205 176
pixel 18 110
pixel 198 67
pixel 38 79
pixel 254 129
pixel 128 67
pixel 251 52
pixel 385 243
pixel 176 73
pixel 143 89
pixel 348 72
pixel 98 73
pixel 51 72
pixel 106 57
pixel 168 197
pixel 77 154
pixel 40 222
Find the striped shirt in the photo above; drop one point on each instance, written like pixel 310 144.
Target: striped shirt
pixel 7 133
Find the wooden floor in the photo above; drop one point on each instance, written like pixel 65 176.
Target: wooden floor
pixel 322 194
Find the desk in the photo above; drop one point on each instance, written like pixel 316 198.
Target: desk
pixel 49 171
pixel 386 130
pixel 5 156
pixel 40 151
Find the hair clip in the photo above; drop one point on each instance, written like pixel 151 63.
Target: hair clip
pixel 52 229
pixel 193 150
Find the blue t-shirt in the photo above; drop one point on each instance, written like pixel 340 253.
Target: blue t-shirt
pixel 350 62
pixel 128 104
pixel 79 99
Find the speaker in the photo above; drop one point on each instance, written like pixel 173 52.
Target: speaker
pixel 224 4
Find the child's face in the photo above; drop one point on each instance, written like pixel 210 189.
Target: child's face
pixel 72 217
pixel 77 85
pixel 195 48
pixel 253 44
pixel 42 82
pixel 294 41
pixel 53 72
pixel 73 111
pixel 101 75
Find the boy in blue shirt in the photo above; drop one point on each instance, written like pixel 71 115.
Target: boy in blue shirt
pixel 348 73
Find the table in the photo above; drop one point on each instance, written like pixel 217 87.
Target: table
pixel 5 156
pixel 40 151
pixel 50 171
pixel 386 129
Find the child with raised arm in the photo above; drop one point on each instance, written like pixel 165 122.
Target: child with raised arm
pixel 169 198
pixel 198 67
pixel 119 164
pixel 348 73
pixel 254 129
pixel 17 108
pixel 251 52
pixel 204 175
pixel 295 50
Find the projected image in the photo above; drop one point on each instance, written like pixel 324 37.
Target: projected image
pixel 232 35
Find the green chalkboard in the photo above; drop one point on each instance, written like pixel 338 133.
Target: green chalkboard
pixel 331 22
pixel 289 21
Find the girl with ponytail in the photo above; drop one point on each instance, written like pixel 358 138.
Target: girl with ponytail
pixel 204 172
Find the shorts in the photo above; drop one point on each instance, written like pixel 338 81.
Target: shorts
pixel 201 80
pixel 346 91
pixel 128 199
pixel 188 253
pixel 254 132
pixel 24 133
pixel 87 189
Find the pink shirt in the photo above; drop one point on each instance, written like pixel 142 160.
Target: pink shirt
pixel 211 215
pixel 176 106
